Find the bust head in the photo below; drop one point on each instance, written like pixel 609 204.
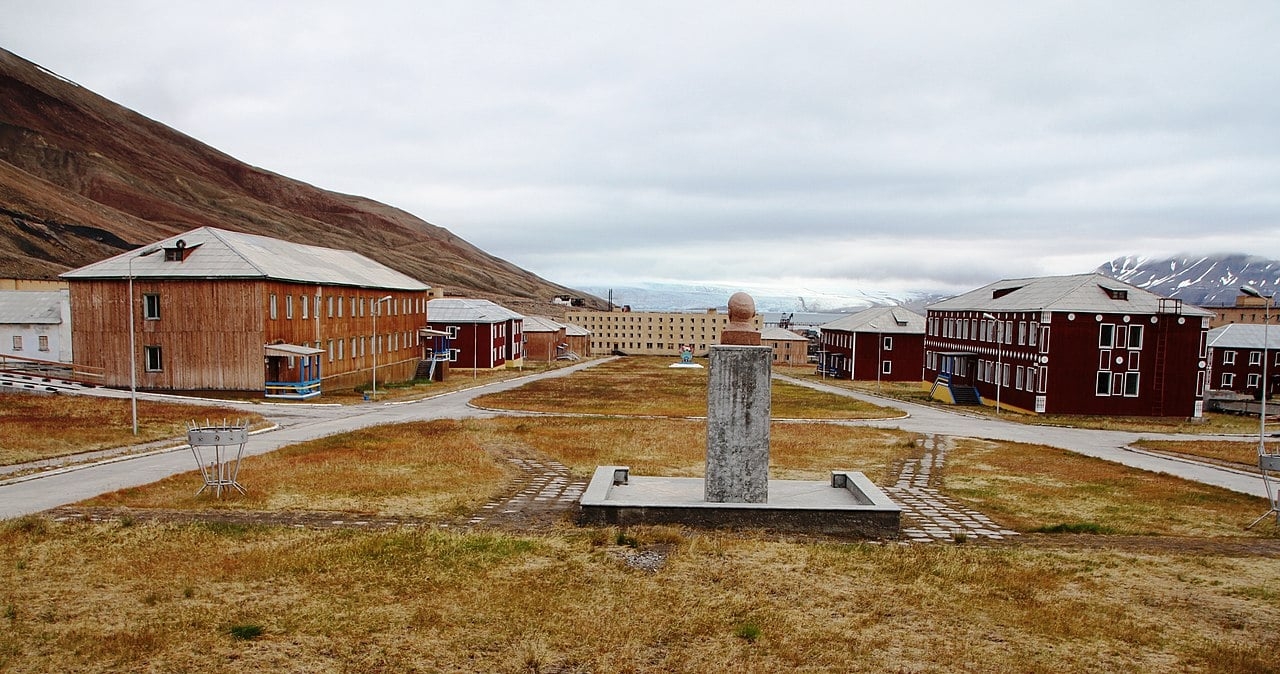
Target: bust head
pixel 741 308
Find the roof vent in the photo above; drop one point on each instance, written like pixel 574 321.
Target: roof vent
pixel 179 251
pixel 1115 293
pixel 1001 292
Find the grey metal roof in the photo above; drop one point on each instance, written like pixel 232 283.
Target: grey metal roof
pixel 30 307
pixel 1244 336
pixel 777 334
pixel 575 330
pixel 892 320
pixel 218 253
pixel 458 310
pixel 533 323
pixel 1086 293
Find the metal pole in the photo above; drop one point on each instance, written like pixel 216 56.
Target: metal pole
pixel 1262 408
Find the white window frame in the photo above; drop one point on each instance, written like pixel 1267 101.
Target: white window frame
pixel 1229 357
pixel 1102 383
pixel 151 306
pixel 153 358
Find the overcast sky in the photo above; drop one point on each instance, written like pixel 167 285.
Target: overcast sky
pixel 926 146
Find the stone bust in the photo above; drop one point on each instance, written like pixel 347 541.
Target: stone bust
pixel 740 331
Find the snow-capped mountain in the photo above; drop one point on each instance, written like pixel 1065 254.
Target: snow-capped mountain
pixel 1212 280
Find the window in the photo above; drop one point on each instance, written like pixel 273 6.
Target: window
pixel 153 358
pixel 272 304
pixel 1228 380
pixel 1228 357
pixel 151 306
pixel 1132 361
pixel 1032 333
pixel 1104 384
pixel 331 351
pixel 1019 378
pixel 451 331
pixel 305 302
pixel 1131 384
pixel 43 342
pixel 1254 381
pixel 886 367
pixel 1106 335
pixel 17 342
pixel 1255 357
pixel 888 344
pixel 341 343
pixel 329 313
pixel 288 306
pixel 341 302
pixel 1022 333
pixel 1042 381
pixel 1135 337
pixel 453 355
pixel 1044 339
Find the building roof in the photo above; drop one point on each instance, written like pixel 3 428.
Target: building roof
pixel 1244 336
pixel 777 334
pixel 212 253
pixel 30 307
pixel 1086 293
pixel 574 330
pixel 890 320
pixel 459 310
pixel 535 323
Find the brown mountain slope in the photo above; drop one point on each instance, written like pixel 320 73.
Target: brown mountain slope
pixel 82 178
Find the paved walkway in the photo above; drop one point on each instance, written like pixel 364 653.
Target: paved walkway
pixel 936 517
pixel 545 486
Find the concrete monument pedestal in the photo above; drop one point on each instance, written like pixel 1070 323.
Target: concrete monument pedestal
pixel 737 492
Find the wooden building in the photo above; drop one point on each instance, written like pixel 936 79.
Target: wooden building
pixel 1084 344
pixel 875 344
pixel 483 335
pixel 1236 355
pixel 579 340
pixel 545 340
pixel 213 309
pixel 788 347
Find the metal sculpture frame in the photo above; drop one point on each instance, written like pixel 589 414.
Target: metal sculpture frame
pixel 223 471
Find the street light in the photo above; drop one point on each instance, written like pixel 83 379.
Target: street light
pixel 999 368
pixel 133 353
pixel 377 309
pixel 1264 462
pixel 879 353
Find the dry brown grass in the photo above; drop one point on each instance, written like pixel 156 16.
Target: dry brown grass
pixel 1244 453
pixel 677 448
pixel 647 386
pixel 165 597
pixel 36 427
pixel 1210 424
pixel 427 469
pixel 458 379
pixel 1030 487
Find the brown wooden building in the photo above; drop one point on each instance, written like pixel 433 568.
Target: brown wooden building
pixel 545 340
pixel 219 310
pixel 788 347
pixel 1084 344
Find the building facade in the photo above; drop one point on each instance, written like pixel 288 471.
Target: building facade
pixel 545 340
pixel 788 347
pixel 876 344
pixel 652 333
pixel 483 335
pixel 212 309
pixel 1084 344
pixel 36 325
pixel 1237 353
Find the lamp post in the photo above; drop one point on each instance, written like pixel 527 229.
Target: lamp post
pixel 1263 464
pixel 133 350
pixel 377 309
pixel 879 353
pixel 995 330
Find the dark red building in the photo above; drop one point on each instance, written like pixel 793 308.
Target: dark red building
pixel 1236 355
pixel 876 344
pixel 482 335
pixel 1084 344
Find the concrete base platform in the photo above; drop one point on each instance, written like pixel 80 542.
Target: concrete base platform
pixel 849 506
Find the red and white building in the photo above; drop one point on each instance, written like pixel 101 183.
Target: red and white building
pixel 482 335
pixel 876 344
pixel 1084 344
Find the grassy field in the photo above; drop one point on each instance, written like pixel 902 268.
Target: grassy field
pixel 1170 581
pixel 36 427
pixel 1244 454
pixel 1210 424
pixel 648 386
